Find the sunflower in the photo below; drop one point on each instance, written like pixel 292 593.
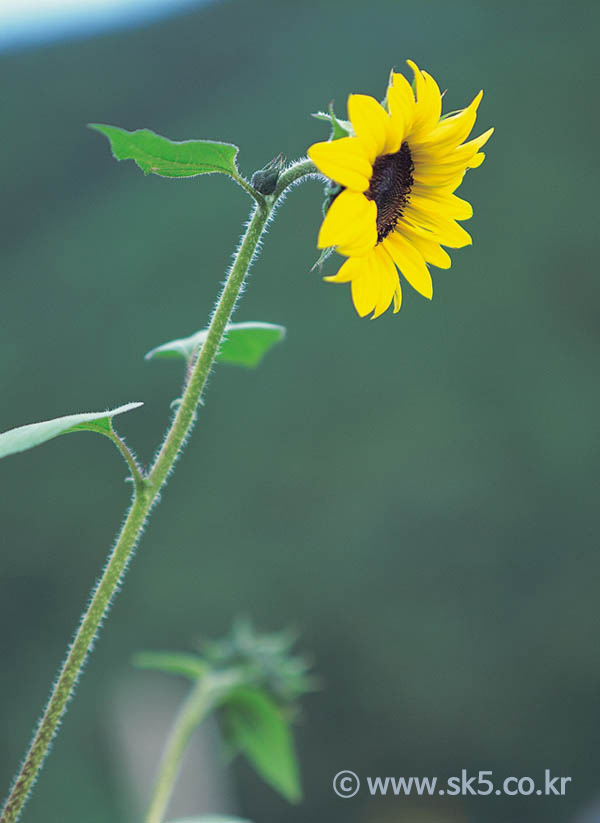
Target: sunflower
pixel 398 168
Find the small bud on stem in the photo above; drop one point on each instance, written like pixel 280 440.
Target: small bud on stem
pixel 265 180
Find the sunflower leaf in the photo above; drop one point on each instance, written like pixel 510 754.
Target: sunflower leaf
pixel 186 665
pixel 34 434
pixel 245 344
pixel 255 725
pixel 168 158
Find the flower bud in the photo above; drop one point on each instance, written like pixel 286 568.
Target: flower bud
pixel 265 180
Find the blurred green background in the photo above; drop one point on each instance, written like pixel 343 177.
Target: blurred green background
pixel 416 495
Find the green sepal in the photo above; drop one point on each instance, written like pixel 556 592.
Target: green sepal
pixel 330 192
pixel 450 114
pixel 169 158
pixel 325 254
pixel 34 434
pixel 384 102
pixel 339 128
pixel 245 344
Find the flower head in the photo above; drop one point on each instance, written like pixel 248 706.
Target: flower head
pixel 398 168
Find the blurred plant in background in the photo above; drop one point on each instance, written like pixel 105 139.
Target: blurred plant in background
pixel 254 683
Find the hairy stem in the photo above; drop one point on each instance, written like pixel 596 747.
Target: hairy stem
pixel 137 475
pixel 191 714
pixel 298 170
pixel 186 410
pixel 201 700
pixel 146 493
pixel 63 689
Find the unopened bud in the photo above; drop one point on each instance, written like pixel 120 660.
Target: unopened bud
pixel 265 180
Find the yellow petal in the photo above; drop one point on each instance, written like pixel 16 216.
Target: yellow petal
pixel 446 232
pixel 432 252
pixel 374 281
pixel 365 292
pixel 451 131
pixel 450 181
pixel 449 205
pixel 477 142
pixel 477 160
pixel 433 99
pixel 385 270
pixel 411 263
pixel 460 154
pixel 401 102
pixel 348 271
pixel 397 298
pixel 435 155
pixel 350 217
pixel 429 102
pixel 441 175
pixel 462 209
pixel 441 184
pixel 372 125
pixel 427 204
pixel 359 247
pixel 344 160
pixel 450 164
pixel 400 82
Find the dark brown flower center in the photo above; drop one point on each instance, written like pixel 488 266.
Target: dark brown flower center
pixel 389 187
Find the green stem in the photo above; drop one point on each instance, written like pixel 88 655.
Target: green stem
pixel 186 411
pixel 249 189
pixel 146 492
pixel 137 475
pixel 201 700
pixel 298 170
pixel 72 666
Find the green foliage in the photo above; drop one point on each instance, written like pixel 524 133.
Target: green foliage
pixel 34 434
pixel 187 665
pixel 169 158
pixel 265 661
pixel 256 726
pixel 253 681
pixel 245 344
pixel 339 128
